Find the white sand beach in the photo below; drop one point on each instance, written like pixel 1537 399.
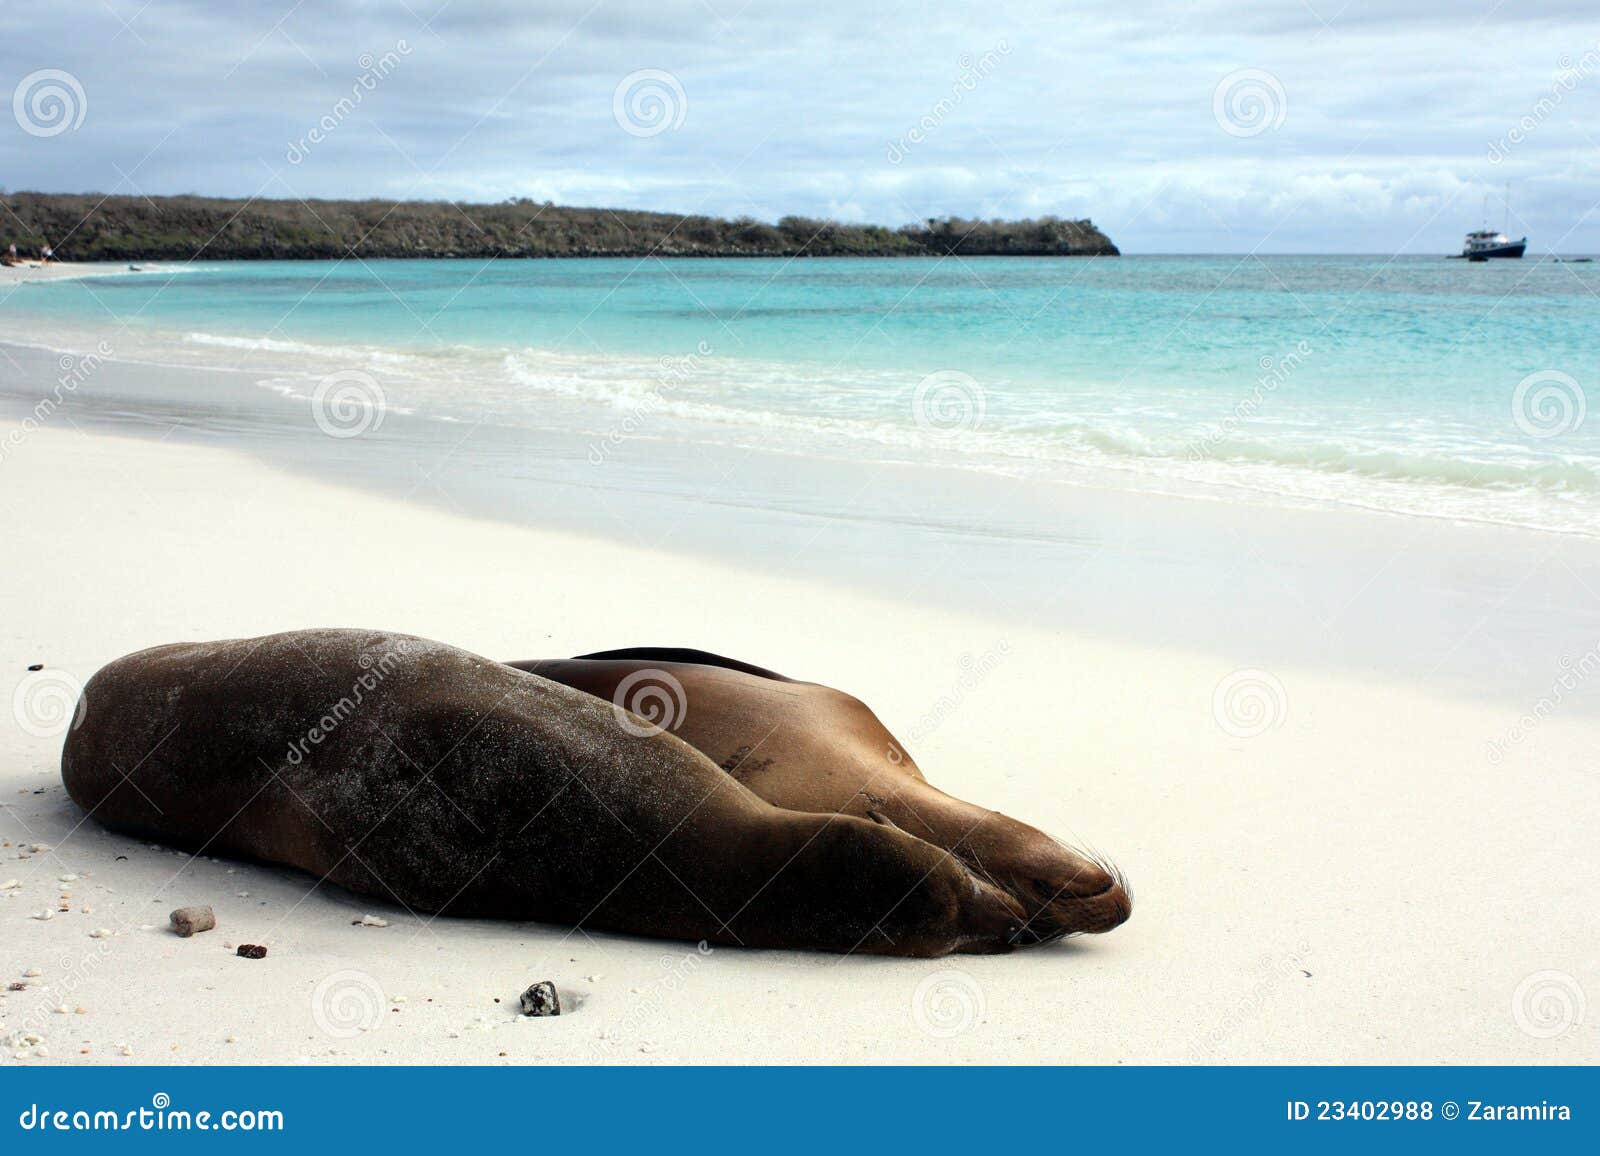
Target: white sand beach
pixel 68 270
pixel 1359 883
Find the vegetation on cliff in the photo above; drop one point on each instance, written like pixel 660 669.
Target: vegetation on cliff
pixel 88 227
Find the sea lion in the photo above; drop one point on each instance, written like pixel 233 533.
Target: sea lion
pixel 807 747
pixel 411 770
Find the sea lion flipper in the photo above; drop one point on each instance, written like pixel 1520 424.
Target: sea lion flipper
pixel 880 818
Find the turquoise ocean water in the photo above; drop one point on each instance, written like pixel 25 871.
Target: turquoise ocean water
pixel 1415 386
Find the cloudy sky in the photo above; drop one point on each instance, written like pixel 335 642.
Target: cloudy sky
pixel 1322 126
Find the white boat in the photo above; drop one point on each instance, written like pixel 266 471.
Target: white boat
pixel 1485 243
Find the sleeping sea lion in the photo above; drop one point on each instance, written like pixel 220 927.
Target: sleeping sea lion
pixel 807 747
pixel 417 772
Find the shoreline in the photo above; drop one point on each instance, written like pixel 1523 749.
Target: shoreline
pixel 31 272
pixel 1280 879
pixel 715 354
pixel 1486 612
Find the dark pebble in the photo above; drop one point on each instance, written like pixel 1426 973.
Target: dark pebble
pixel 252 951
pixel 36 666
pixel 541 1000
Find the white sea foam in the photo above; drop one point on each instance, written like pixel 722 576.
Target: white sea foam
pixel 1407 464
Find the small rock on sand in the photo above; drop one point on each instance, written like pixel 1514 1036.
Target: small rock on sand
pixel 187 921
pixel 541 1000
pixel 252 951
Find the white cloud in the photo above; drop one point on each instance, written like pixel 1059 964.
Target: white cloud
pixel 1388 116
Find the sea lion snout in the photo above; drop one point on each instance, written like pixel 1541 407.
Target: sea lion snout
pixel 1084 898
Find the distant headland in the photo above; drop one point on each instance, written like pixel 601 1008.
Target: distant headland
pixel 89 227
